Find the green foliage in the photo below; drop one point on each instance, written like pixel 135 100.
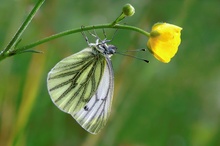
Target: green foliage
pixel 155 104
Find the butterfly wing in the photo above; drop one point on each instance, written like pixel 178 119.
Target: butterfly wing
pixel 94 115
pixel 82 85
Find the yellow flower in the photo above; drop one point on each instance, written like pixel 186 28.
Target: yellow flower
pixel 164 41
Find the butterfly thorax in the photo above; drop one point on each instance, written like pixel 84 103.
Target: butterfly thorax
pixel 103 48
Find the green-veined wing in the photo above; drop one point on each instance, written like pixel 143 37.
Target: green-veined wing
pixel 82 85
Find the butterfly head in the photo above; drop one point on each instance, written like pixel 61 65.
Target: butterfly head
pixel 106 49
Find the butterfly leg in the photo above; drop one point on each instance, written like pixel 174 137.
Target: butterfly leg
pixel 84 35
pixel 104 33
pixel 94 34
pixel 114 34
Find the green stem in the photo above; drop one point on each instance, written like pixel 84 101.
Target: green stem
pixel 121 17
pixel 120 26
pixel 68 32
pixel 18 34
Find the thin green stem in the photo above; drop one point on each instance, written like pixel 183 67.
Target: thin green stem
pixel 120 26
pixel 121 17
pixel 18 34
pixel 68 32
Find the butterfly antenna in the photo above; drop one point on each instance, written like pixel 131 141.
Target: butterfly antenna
pixel 142 59
pixel 137 50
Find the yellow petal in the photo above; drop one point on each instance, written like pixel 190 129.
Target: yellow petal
pixel 164 41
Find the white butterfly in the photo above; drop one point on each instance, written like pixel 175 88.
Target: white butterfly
pixel 82 85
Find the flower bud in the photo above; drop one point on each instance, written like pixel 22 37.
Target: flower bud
pixel 128 10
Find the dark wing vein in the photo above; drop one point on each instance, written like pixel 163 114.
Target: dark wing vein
pixel 82 77
pixel 84 85
pixel 73 81
pixel 67 71
pixel 79 62
pixel 94 116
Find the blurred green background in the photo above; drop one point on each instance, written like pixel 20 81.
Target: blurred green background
pixel 155 104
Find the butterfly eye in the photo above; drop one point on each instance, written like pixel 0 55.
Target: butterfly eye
pixel 111 49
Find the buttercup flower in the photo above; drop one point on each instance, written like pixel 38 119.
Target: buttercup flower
pixel 164 41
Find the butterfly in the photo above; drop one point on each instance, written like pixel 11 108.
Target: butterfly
pixel 82 84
